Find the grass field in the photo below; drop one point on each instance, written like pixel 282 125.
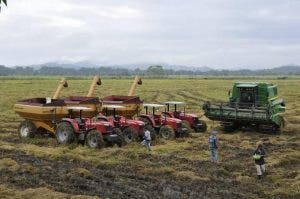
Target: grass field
pixel 38 167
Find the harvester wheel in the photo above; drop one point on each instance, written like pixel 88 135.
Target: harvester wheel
pixel 64 133
pixel 186 124
pixel 129 135
pixel 203 128
pixel 121 141
pixel 166 132
pixel 27 129
pixel 94 139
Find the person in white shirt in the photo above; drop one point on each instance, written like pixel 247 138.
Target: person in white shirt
pixel 147 139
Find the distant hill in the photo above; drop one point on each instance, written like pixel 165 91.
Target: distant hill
pixel 87 68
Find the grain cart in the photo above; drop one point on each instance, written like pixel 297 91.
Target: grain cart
pixel 167 127
pixel 192 120
pixel 133 130
pixel 250 104
pixel 94 133
pixel 133 104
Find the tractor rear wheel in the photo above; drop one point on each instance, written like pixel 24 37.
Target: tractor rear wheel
pixel 94 139
pixel 145 120
pixel 166 132
pixel 64 133
pixel 27 129
pixel 129 135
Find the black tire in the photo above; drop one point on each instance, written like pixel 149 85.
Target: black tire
pixel 186 124
pixel 94 139
pixel 27 129
pixel 64 133
pixel 152 132
pixel 121 138
pixel 203 127
pixel 166 132
pixel 129 135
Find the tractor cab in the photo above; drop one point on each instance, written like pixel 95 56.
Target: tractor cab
pixel 247 95
pixel 150 110
pixel 116 119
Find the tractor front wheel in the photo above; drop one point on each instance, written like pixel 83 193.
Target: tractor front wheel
pixel 129 135
pixel 166 132
pixel 27 129
pixel 121 138
pixel 203 127
pixel 186 125
pixel 94 139
pixel 65 133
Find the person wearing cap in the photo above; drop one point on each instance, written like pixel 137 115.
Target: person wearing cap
pixel 213 146
pixel 147 139
pixel 258 157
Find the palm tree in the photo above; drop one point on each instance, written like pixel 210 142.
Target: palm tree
pixel 4 1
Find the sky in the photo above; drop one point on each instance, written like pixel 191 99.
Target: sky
pixel 214 33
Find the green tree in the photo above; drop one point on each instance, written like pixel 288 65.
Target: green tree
pixel 155 71
pixel 4 1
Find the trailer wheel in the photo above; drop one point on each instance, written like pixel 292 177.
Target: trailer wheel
pixel 167 132
pixel 121 141
pixel 129 135
pixel 64 133
pixel 94 139
pixel 27 129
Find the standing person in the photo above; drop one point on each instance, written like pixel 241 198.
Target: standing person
pixel 147 140
pixel 258 156
pixel 213 146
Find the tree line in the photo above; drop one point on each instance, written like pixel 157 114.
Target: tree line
pixel 156 71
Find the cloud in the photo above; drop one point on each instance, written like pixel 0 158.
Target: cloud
pixel 216 33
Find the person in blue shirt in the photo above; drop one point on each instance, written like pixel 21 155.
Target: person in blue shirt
pixel 213 146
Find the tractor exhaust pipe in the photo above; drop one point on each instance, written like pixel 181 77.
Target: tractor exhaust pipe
pixel 62 84
pixel 137 81
pixel 96 81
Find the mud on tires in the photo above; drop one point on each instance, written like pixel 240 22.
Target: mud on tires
pixel 64 133
pixel 27 129
pixel 203 128
pixel 186 124
pixel 121 141
pixel 167 133
pixel 94 139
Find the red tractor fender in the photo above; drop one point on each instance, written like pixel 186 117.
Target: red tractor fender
pixel 74 124
pixel 172 122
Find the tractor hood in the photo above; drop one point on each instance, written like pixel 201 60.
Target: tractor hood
pixel 136 122
pixel 175 120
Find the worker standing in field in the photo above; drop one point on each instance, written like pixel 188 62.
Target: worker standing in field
pixel 213 146
pixel 258 157
pixel 147 140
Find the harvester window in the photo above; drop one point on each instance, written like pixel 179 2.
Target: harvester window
pixel 247 96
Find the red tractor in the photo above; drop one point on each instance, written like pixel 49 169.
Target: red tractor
pixel 133 130
pixel 167 127
pixel 192 119
pixel 94 133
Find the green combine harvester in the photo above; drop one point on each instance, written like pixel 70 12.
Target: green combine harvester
pixel 250 104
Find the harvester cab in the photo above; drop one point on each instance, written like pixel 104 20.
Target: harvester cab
pixel 190 120
pixel 250 104
pixel 167 127
pixel 95 134
pixel 133 130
